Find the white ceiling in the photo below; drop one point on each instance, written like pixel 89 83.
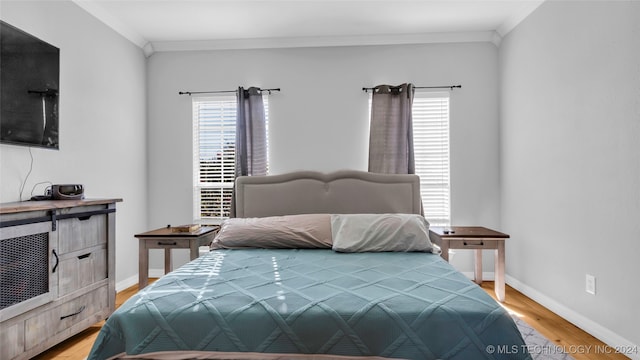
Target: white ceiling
pixel 160 25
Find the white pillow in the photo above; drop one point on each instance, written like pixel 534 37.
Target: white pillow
pixel 381 232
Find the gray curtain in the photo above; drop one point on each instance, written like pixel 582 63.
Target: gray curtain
pixel 391 133
pixel 251 133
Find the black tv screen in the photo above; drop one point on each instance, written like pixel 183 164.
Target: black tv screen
pixel 29 89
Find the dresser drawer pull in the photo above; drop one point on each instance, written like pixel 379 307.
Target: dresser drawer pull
pixel 81 309
pixel 167 243
pixel 57 261
pixel 481 244
pixel 80 257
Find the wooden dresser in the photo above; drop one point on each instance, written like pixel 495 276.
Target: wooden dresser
pixel 57 271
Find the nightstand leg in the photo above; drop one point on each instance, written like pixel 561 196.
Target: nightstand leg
pixel 193 249
pixel 478 269
pixel 167 260
pixel 499 271
pixel 444 246
pixel 143 264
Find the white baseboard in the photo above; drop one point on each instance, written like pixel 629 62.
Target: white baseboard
pixel 133 280
pixel 126 283
pixel 600 332
pixel 486 275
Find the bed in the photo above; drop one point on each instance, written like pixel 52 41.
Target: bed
pixel 359 281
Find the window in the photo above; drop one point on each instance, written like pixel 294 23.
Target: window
pixel 214 135
pixel 431 150
pixel 430 114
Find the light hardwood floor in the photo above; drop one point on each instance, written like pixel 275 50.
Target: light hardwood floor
pixel 579 344
pixel 556 329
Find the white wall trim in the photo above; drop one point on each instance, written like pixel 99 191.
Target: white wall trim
pixel 486 275
pixel 126 283
pixel 133 280
pixel 148 49
pixel 605 335
pixel 118 26
pixel 132 35
pixel 527 8
pixel 284 42
pixel 325 41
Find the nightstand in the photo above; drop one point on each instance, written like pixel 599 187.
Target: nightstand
pixel 167 239
pixel 474 238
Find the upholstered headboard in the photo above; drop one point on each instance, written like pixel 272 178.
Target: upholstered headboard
pixel 341 192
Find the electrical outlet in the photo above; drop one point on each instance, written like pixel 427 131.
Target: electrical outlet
pixel 591 284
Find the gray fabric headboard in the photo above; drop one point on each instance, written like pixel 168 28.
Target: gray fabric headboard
pixel 341 192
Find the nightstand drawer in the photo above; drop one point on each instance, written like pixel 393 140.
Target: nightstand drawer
pixel 472 244
pixel 168 244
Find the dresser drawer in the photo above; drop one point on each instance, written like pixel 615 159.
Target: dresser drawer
pixel 81 232
pixel 56 319
pixel 12 341
pixel 81 268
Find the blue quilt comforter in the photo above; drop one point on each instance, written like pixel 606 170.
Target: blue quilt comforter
pixel 396 305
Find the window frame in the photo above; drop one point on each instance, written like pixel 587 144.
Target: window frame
pixel 227 106
pixel 436 189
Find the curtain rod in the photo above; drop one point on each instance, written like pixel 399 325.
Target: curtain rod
pixel 220 91
pixel 450 87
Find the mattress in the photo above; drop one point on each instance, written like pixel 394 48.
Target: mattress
pixel 313 301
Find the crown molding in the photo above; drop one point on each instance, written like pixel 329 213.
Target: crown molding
pixel 104 16
pixel 325 41
pixel 528 7
pixel 149 48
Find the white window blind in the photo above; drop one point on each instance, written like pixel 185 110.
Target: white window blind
pixel 431 147
pixel 214 134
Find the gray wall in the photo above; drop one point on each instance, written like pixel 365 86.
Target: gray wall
pixel 320 119
pixel 544 137
pixel 102 119
pixel 570 157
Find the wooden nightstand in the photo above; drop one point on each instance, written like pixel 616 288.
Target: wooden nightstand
pixel 474 238
pixel 165 238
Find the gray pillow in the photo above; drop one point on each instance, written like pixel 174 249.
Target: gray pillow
pixel 289 231
pixel 381 232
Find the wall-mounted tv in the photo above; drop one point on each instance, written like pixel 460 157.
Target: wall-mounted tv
pixel 29 89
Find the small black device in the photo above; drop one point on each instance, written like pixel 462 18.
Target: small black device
pixel 67 192
pixel 40 197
